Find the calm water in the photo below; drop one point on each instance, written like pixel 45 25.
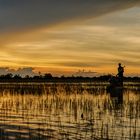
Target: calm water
pixel 69 111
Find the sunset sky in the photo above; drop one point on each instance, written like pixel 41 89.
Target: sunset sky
pixel 63 36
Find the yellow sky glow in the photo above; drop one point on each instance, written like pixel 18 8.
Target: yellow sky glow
pixel 95 45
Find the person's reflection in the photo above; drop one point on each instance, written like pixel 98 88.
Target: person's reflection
pixel 116 97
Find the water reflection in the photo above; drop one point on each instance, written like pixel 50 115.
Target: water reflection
pixel 116 98
pixel 69 112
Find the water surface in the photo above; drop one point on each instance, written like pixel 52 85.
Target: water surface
pixel 68 111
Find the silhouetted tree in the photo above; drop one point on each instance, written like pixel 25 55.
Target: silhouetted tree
pixel 48 76
pixel 8 76
pixel 27 77
pixel 17 76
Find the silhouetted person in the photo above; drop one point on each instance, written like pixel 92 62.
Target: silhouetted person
pixel 120 73
pixel 82 116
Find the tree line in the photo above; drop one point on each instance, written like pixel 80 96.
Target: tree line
pixel 48 77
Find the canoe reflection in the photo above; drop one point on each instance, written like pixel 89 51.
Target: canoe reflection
pixel 116 96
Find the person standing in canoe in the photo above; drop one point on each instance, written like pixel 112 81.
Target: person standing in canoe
pixel 120 73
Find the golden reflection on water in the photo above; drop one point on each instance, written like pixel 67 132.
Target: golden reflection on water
pixel 70 112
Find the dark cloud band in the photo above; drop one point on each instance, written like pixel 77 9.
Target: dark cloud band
pixel 15 14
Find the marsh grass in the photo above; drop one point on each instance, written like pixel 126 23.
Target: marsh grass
pixel 68 111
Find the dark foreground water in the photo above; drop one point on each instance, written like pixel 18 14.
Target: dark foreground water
pixel 68 111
